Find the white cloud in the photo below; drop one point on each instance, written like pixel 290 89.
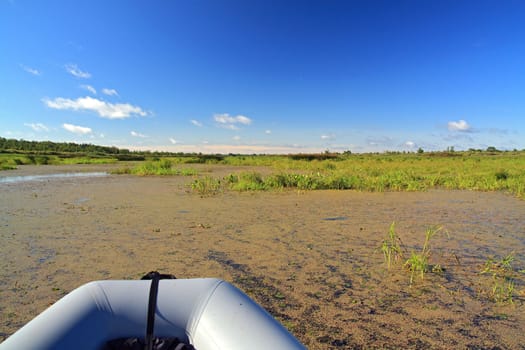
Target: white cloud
pixel 110 92
pixel 30 70
pixel 410 144
pixel 236 137
pixel 81 130
pixel 228 122
pixel 173 141
pixel 137 134
pixel 243 120
pixel 103 108
pixel 196 123
pixel 89 88
pixel 460 125
pixel 328 137
pixel 76 72
pixel 267 132
pixel 37 126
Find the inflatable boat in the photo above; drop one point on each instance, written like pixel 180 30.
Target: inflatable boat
pixel 207 313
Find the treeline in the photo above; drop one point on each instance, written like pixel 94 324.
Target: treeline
pixel 9 145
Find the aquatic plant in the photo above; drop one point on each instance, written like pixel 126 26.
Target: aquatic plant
pixel 162 167
pixel 418 262
pixel 249 181
pixel 391 247
pixel 503 278
pixel 206 186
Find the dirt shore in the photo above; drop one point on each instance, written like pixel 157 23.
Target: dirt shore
pixel 310 258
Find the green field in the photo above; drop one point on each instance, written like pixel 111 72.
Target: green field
pixel 479 171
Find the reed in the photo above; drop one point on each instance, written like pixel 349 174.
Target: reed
pixel 206 186
pixel 391 247
pixel 418 263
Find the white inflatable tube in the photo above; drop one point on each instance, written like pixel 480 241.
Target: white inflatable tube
pixel 209 313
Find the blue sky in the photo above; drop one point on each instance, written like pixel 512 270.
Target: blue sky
pixel 265 76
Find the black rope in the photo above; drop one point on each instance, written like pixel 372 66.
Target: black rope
pixel 151 310
pixel 154 276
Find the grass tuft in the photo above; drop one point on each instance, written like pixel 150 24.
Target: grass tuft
pixel 163 167
pixel 503 276
pixel 418 263
pixel 206 186
pixel 391 247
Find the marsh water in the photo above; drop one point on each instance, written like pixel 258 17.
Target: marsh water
pixel 60 176
pixel 310 258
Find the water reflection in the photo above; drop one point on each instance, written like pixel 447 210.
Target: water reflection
pixel 17 179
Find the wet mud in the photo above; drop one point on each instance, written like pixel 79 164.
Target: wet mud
pixel 312 259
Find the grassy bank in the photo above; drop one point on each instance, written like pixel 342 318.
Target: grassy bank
pixel 500 172
pixel 10 161
pixel 161 168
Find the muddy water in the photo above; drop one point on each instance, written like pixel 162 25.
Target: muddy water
pixel 311 259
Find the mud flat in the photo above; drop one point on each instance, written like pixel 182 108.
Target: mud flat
pixel 310 258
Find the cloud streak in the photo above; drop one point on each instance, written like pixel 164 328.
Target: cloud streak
pixel 76 72
pixel 110 92
pixel 79 130
pixel 410 144
pixel 460 125
pixel 138 134
pixel 228 122
pixel 102 108
pixel 30 70
pixel 37 126
pixel 196 123
pixel 89 88
pixel 328 137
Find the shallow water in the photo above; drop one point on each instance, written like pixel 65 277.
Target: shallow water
pixel 311 258
pixel 28 178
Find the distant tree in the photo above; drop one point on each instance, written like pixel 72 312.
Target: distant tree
pixel 420 150
pixel 492 149
pixel 60 147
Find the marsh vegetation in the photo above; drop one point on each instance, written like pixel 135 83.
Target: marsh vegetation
pixel 371 172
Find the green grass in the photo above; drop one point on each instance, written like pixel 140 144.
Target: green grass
pixel 206 186
pixel 161 167
pixel 418 263
pixel 9 161
pixel 504 171
pixel 391 247
pixel 503 278
pixel 378 173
